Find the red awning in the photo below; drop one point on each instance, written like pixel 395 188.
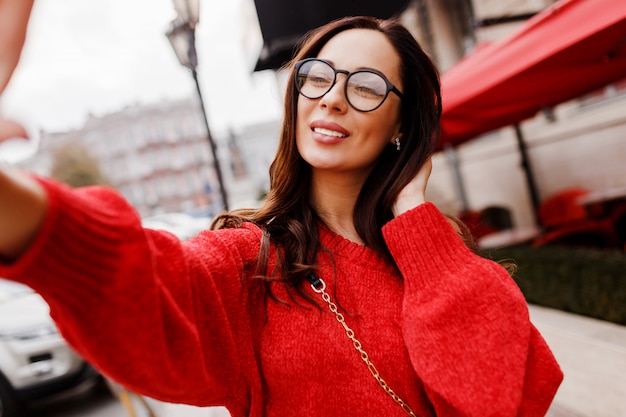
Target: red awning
pixel 571 48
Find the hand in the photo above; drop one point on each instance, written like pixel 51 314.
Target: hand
pixel 10 129
pixel 414 193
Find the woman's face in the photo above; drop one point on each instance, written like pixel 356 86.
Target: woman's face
pixel 333 136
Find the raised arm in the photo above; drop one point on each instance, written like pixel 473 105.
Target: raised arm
pixel 22 200
pixel 466 324
pixel 465 321
pixel 163 317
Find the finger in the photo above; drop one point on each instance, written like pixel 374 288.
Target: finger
pixel 14 16
pixel 10 129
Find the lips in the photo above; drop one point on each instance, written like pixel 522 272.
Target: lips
pixel 328 132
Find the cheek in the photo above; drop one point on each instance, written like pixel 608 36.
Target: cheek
pixel 385 127
pixel 300 131
pixel 394 128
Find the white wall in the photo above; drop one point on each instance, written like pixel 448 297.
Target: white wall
pixel 585 147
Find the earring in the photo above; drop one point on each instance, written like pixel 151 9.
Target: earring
pixel 397 144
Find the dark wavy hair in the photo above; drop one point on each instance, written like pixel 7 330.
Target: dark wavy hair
pixel 287 216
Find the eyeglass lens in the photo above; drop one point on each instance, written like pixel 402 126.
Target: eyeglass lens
pixel 365 90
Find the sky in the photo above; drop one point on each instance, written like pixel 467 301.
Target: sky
pixel 96 57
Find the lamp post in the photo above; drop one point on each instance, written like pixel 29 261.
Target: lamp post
pixel 182 36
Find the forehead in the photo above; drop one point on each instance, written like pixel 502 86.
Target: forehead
pixel 363 48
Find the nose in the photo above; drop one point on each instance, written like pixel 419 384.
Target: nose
pixel 335 98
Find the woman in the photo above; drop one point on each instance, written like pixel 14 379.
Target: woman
pixel 247 316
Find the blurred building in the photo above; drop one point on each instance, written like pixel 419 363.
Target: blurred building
pixel 579 143
pixel 159 158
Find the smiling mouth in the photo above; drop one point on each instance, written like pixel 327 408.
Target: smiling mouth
pixel 327 132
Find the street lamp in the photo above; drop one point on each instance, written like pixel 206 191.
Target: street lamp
pixel 188 11
pixel 182 36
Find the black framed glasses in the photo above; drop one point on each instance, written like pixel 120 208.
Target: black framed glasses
pixel 365 90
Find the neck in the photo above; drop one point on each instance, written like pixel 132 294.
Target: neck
pixel 334 198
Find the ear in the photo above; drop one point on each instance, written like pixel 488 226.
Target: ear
pixel 393 138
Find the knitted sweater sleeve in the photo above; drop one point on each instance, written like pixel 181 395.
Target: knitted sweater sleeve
pixel 466 324
pixel 162 317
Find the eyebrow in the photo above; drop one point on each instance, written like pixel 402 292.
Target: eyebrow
pixel 357 69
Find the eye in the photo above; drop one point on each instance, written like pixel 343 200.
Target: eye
pixel 367 85
pixel 365 91
pixel 319 80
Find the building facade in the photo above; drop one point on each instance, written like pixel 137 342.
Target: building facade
pixel 159 158
pixel 579 143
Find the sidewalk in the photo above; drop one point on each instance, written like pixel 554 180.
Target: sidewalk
pixel 178 410
pixel 592 354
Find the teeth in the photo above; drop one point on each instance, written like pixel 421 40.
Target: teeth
pixel 328 132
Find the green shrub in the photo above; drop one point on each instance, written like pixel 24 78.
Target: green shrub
pixel 589 282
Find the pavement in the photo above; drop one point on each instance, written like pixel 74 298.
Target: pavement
pixel 592 355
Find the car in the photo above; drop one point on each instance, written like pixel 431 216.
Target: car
pixel 36 363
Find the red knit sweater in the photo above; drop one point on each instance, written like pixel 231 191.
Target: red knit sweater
pixel 181 322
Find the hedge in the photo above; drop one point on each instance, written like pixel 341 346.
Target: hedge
pixel 589 282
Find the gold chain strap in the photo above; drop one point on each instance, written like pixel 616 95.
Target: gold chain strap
pixel 320 287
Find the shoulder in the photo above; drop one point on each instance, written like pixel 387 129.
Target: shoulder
pixel 244 239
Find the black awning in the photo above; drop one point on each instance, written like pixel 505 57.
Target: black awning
pixel 284 22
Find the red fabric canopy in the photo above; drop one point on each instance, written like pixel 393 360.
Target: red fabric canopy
pixel 571 48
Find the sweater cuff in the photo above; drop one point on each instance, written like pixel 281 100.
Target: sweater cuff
pixel 422 240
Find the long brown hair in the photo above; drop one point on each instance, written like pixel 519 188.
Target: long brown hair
pixel 287 217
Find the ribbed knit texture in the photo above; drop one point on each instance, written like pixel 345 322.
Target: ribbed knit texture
pixel 185 322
